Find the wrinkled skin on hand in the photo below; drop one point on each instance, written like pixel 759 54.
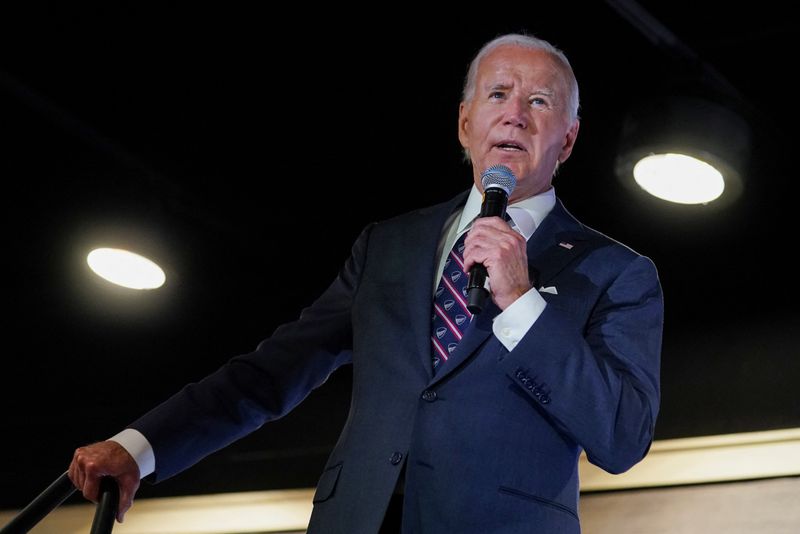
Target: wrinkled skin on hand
pixel 106 458
pixel 503 252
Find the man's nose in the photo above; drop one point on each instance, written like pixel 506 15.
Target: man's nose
pixel 516 113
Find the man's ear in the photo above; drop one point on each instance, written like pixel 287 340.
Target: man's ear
pixel 569 141
pixel 463 123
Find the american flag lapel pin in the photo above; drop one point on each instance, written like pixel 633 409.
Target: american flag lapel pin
pixel 566 245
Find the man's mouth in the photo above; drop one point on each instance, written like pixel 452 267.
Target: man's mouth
pixel 510 146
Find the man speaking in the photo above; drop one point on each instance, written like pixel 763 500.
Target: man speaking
pixel 462 421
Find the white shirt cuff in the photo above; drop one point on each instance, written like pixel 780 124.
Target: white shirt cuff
pixel 511 325
pixel 137 446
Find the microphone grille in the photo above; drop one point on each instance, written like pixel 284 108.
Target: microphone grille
pixel 499 176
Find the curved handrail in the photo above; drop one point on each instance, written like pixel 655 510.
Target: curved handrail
pixel 43 504
pixel 106 510
pixel 55 494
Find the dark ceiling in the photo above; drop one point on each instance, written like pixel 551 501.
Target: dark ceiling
pixel 223 142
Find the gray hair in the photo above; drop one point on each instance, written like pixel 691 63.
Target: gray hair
pixel 525 41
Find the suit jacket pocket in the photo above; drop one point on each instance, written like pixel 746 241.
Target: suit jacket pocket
pixel 539 500
pixel 327 483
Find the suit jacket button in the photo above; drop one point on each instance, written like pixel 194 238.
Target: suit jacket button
pixel 429 395
pixel 396 458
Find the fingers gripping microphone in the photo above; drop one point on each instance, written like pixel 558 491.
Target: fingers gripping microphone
pixel 498 184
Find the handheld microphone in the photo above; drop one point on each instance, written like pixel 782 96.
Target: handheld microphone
pixel 498 184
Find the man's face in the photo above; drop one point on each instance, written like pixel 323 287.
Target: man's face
pixel 518 117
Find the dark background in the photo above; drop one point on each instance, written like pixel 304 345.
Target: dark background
pixel 224 142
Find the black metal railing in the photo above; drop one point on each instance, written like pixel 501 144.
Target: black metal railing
pixel 55 494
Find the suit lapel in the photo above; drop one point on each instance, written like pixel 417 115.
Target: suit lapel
pixel 558 241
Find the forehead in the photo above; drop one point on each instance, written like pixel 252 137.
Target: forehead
pixel 510 64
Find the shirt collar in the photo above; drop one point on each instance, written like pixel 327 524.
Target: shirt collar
pixel 527 214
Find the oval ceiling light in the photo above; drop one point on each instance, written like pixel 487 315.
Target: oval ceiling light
pixel 679 178
pixel 684 149
pixel 126 268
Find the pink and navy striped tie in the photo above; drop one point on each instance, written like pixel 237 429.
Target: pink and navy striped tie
pixel 450 314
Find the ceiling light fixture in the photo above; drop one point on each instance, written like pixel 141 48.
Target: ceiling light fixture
pixel 684 149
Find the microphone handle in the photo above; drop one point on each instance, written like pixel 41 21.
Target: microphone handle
pixel 477 295
pixel 495 201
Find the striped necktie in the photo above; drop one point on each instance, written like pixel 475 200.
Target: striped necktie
pixel 450 314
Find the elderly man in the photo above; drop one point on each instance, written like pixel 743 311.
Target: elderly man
pixel 459 423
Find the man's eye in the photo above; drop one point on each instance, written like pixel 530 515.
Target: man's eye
pixel 496 95
pixel 538 101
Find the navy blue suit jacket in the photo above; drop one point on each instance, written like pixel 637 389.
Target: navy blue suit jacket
pixel 491 443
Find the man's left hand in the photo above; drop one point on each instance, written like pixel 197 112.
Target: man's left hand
pixel 492 242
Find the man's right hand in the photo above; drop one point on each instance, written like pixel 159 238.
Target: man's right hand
pixel 105 458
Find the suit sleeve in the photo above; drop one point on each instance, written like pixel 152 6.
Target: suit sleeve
pixel 597 379
pixel 255 388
